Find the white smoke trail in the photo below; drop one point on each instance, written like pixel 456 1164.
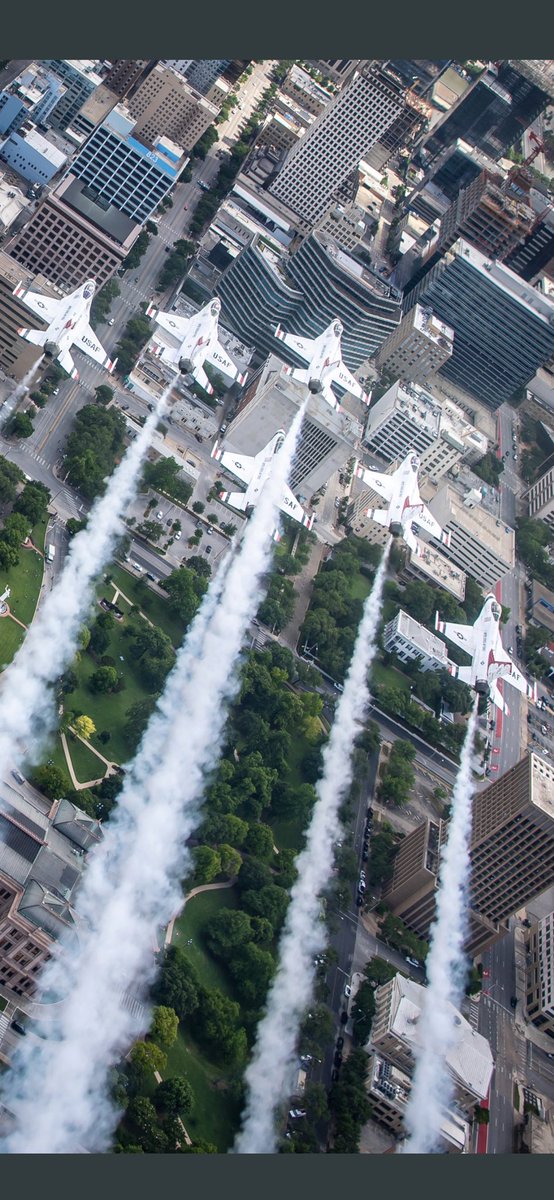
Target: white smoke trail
pixel 270 1073
pixel 17 395
pixel 59 1092
pixel 432 1089
pixel 28 712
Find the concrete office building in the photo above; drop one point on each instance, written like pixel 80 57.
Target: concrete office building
pixel 395 1036
pixel 339 138
pixel 540 498
pixel 42 851
pixel 16 355
pixel 345 224
pixel 80 77
pixel 539 984
pixel 456 167
pixel 494 112
pixel 487 214
pixel 481 545
pixel 432 567
pixel 417 348
pixel 503 327
pixel 409 640
pixel 125 74
pixel 305 91
pixel 511 854
pixel 95 110
pixel 13 204
pixel 270 401
pixel 388 1090
pixel 32 95
pixel 120 170
pixel 70 238
pixel 165 105
pixel 542 606
pixel 203 73
pixel 409 418
pixel 33 156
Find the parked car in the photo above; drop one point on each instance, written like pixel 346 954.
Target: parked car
pixel 340 1043
pixel 414 962
pixel 334 1076
pixel 159 515
pixel 337 1059
pixel 111 321
pixel 348 991
pixel 178 535
pixel 210 528
pixel 169 521
pixel 19 1028
pixel 343 1017
pixel 359 900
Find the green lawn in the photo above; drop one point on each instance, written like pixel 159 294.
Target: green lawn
pixel 11 637
pixel 3 1003
pixel 389 677
pixel 38 533
pixel 289 834
pixel 24 581
pixel 360 587
pixel 191 924
pixel 85 764
pixel 155 607
pixel 108 712
pixel 214 1117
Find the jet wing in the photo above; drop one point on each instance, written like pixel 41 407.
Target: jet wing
pixel 343 377
pixel 331 399
pixel 305 347
pixel 289 505
pixel 46 307
pixel 65 360
pixel 241 465
pixel 517 680
pixel 218 358
pixel 86 341
pixel 461 635
pixel 178 326
pixel 200 375
pixel 383 484
pixel 424 518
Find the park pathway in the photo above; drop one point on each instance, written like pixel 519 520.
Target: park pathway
pixel 204 887
pixel 110 766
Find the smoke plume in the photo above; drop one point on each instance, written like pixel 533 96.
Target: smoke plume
pixel 432 1089
pixel 59 1093
pixel 270 1073
pixel 28 710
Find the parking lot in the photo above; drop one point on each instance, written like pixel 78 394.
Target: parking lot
pixel 165 513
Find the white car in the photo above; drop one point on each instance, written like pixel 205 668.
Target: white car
pixel 348 991
pixel 159 516
pixel 177 535
pixel 413 962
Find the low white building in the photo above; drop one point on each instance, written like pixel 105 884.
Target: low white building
pixel 408 417
pixel 409 640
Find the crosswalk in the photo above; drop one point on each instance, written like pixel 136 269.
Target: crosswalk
pixel 473 1016
pixel 4 1025
pixel 132 1005
pixel 37 457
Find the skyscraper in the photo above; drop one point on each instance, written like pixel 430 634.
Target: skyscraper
pixel 503 327
pixel 165 105
pixel 321 161
pixel 487 214
pixel 512 855
pixel 125 74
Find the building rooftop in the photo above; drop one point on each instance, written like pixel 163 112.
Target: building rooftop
pixel 439 569
pixel 459 432
pixel 436 330
pixel 543 605
pixel 353 266
pixel 479 524
pixel 470 1058
pixel 302 79
pixel 97 106
pixel 43 145
pixel 104 215
pixel 421 638
pixel 542 784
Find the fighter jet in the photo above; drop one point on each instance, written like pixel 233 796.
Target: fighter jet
pixel 255 471
pixel 490 662
pixel 68 325
pixel 404 504
pixel 324 355
pixel 198 343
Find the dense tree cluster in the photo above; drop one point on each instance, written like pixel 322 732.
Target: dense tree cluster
pixel 103 301
pixel 349 1105
pixel 330 627
pixel 165 475
pixel 175 264
pixel 383 847
pixel 532 541
pixel 399 704
pixel 136 334
pixel 398 776
pixel 93 448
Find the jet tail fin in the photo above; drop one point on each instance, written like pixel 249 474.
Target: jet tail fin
pixel 235 499
pixel 200 376
pixel 65 360
pixel 498 699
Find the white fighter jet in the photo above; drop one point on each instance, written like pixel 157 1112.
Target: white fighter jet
pixel 490 662
pixel 404 504
pixel 68 325
pixel 198 343
pixel 255 471
pixel 324 355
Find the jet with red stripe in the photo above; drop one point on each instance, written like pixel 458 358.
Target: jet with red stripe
pixel 68 326
pixel 255 471
pixel 489 660
pixel 198 344
pixel 324 355
pixel 404 504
